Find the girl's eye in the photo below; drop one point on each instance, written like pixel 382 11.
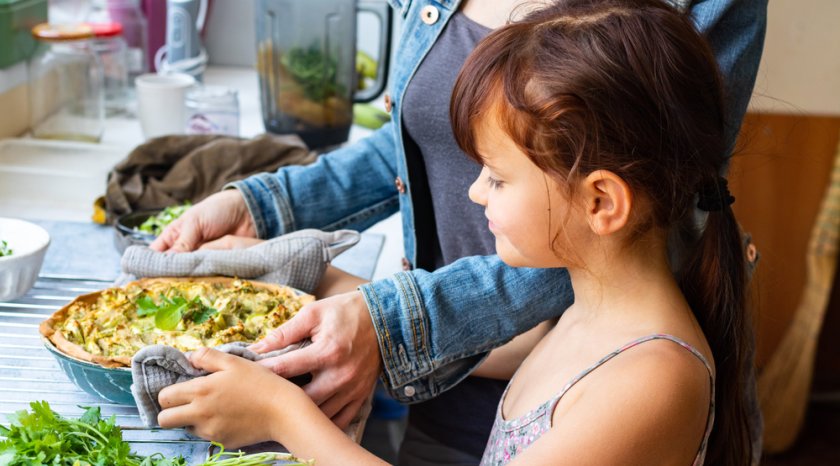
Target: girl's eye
pixel 494 183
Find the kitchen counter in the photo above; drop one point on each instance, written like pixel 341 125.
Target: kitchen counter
pixel 82 259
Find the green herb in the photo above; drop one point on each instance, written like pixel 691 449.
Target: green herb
pixel 145 305
pixel 155 224
pixel 314 71
pixel 43 437
pixel 5 250
pixel 171 311
pixel 225 458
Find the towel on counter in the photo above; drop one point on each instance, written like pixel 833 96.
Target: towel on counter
pixel 154 368
pixel 169 170
pixel 297 259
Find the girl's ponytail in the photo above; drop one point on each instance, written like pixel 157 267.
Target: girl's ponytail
pixel 713 278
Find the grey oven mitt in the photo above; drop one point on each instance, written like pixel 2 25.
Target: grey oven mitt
pixel 156 367
pixel 296 259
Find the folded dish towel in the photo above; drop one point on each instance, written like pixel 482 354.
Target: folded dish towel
pixel 154 368
pixel 296 259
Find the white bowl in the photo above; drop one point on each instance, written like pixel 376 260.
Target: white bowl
pixel 19 270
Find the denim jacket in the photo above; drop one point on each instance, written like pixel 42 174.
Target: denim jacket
pixel 435 327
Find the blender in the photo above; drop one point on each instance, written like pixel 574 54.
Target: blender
pixel 306 59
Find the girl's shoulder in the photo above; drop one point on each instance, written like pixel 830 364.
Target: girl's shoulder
pixel 648 404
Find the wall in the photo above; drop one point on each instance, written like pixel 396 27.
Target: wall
pixel 800 68
pixel 780 173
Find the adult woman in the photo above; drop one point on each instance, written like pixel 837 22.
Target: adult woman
pixel 408 318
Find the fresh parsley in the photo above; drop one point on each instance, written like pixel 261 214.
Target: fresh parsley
pixel 171 311
pixel 5 250
pixel 43 437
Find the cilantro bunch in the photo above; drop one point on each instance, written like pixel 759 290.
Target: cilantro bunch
pixel 171 311
pixel 43 437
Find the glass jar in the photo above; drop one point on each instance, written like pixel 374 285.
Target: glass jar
pixel 111 49
pixel 65 92
pixel 213 110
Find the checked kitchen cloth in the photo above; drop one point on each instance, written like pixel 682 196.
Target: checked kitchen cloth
pixel 155 367
pixel 297 259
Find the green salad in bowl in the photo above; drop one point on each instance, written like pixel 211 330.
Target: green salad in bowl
pixel 143 226
pixel 155 224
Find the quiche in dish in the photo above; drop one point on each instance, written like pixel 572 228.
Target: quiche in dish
pixel 109 326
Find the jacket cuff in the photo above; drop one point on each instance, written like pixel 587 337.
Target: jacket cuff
pixel 397 312
pixel 267 202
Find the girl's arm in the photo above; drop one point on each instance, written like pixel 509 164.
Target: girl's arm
pixel 503 361
pixel 242 403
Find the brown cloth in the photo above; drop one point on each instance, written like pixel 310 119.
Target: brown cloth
pixel 169 170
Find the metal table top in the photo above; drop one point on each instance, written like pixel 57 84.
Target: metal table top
pixel 28 372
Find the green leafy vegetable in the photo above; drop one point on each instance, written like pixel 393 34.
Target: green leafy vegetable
pixel 43 437
pixel 170 314
pixel 314 71
pixel 171 311
pixel 155 224
pixel 5 250
pixel 146 306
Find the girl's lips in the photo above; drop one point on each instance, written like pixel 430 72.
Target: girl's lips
pixel 491 226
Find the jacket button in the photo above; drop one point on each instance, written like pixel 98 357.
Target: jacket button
pixel 409 390
pixel 388 104
pixel 400 185
pixel 429 14
pixel 406 265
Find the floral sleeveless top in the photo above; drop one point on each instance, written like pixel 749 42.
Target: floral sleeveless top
pixel 509 438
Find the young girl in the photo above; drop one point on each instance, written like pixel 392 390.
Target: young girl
pixel 599 125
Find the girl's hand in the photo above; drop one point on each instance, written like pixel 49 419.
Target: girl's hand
pixel 240 403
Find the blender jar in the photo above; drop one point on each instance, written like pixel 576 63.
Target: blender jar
pixel 306 54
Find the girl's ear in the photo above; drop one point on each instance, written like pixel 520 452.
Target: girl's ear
pixel 608 201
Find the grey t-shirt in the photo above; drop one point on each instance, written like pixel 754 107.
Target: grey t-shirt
pixel 462 417
pixel 461 225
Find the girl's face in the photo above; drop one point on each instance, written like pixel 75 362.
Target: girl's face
pixel 523 205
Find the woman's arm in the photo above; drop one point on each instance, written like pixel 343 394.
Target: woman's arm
pixel 352 187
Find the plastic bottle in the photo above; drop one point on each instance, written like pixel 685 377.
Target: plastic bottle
pixel 135 29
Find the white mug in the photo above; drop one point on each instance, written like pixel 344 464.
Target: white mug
pixel 161 103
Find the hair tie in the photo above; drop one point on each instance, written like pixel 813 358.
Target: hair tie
pixel 715 196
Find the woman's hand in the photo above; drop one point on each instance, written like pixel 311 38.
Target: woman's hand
pixel 223 213
pixel 239 403
pixel 343 358
pixel 232 242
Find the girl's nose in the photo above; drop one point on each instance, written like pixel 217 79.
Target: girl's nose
pixel 478 190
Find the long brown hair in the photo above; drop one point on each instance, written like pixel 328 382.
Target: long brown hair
pixel 629 86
